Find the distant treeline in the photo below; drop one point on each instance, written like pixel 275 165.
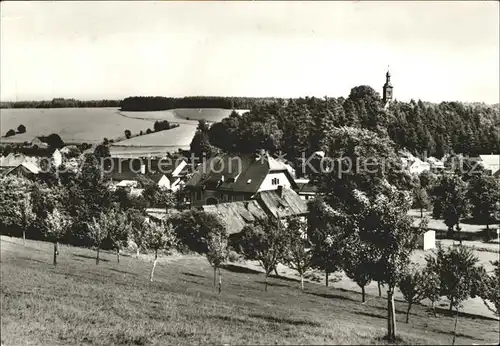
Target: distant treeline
pixel 306 125
pixel 62 103
pixel 158 103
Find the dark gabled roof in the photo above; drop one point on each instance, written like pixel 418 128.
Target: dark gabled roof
pixel 243 173
pixel 236 215
pixel 289 204
pixel 308 189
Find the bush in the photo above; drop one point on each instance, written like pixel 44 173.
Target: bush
pixel 234 257
pixel 53 140
pixel 10 133
pixel 148 131
pixel 21 128
pixel 162 125
pixel 128 134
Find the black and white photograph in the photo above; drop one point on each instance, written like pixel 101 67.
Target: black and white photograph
pixel 249 172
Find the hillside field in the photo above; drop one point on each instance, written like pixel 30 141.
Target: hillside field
pixel 74 125
pixel 91 125
pixel 184 115
pixel 78 302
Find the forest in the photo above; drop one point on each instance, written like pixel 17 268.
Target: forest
pixel 305 125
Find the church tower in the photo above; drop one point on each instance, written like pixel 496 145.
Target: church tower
pixel 387 97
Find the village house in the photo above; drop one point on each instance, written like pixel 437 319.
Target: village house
pixel 229 178
pixel 280 203
pixel 19 164
pixel 491 163
pixel 168 173
pixel 305 189
pixel 242 189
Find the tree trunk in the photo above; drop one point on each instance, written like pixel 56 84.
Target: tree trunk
pixel 459 236
pixel 488 237
pixel 24 237
pixel 55 253
pixel 118 255
pixel 137 252
pixel 408 313
pixel 393 315
pixel 379 289
pixel 455 328
pixel 154 266
pixel 326 277
pixel 363 294
pixel 220 282
pixel 57 248
pixel 434 308
pixel 276 271
pixel 215 276
pixel 389 316
pixel 265 289
pixel 301 282
pixel 97 257
pixel 451 304
pixel 421 213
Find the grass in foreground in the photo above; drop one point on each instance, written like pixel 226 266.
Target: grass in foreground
pixel 78 302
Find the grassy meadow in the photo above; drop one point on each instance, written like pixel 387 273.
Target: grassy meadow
pixel 79 302
pixel 91 125
pixel 74 125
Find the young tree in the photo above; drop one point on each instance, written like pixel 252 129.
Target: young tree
pixel 385 225
pixel 325 233
pixel 98 231
pixel 427 180
pixel 490 292
pixel 298 255
pixel 457 269
pixel 14 190
pixel 432 282
pixel 359 263
pixel 158 237
pixel 28 216
pixel 58 224
pixel 118 229
pixel 451 202
pixel 421 200
pixel 264 242
pixel 128 134
pixel 484 195
pixel 217 251
pixel 412 286
pixel 137 220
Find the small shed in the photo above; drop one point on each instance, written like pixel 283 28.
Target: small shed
pixel 427 240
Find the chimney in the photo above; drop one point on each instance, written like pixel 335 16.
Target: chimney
pixel 280 191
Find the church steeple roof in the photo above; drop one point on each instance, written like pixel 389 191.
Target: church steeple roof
pixel 387 89
pixel 388 78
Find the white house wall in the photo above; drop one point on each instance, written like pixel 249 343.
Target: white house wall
pixel 267 183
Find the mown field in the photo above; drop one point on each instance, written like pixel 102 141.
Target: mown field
pixel 78 302
pixel 74 125
pixel 91 125
pixel 179 136
pixel 184 115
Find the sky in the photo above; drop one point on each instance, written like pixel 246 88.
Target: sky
pixel 436 51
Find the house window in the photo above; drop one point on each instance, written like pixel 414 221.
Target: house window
pixel 224 198
pixel 197 195
pixel 275 181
